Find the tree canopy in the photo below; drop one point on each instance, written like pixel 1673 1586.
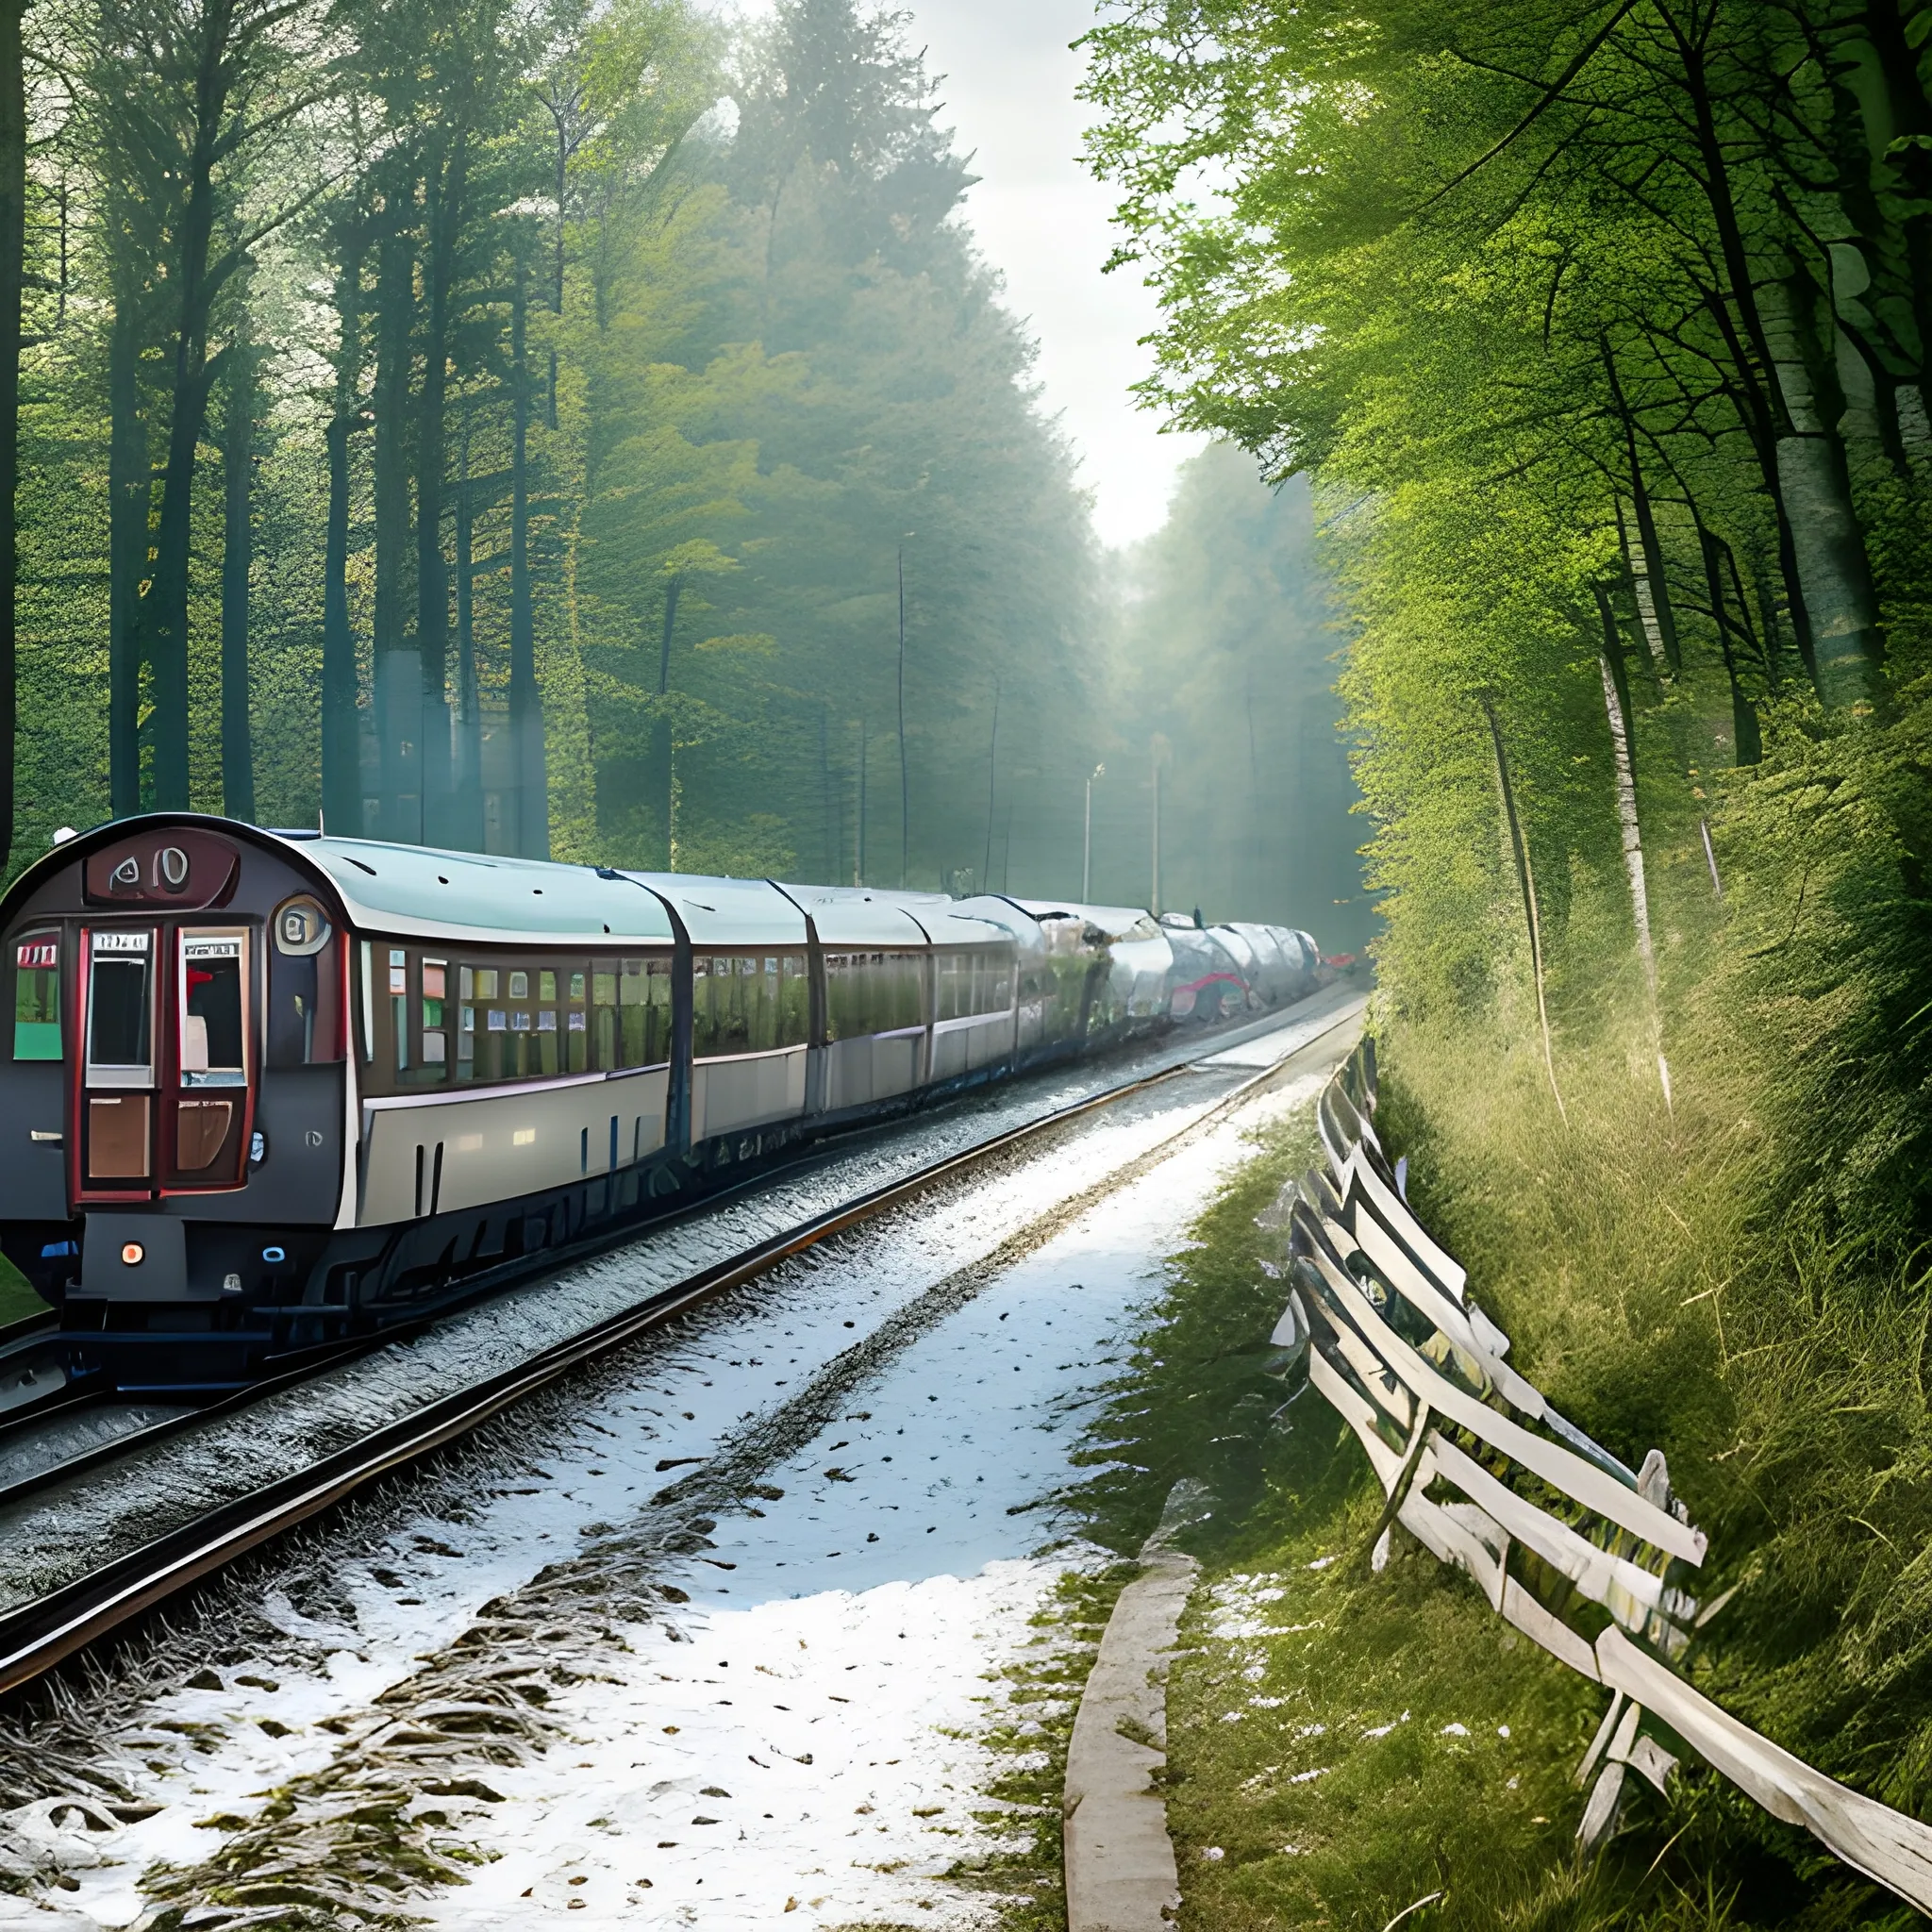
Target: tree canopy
pixel 1601 330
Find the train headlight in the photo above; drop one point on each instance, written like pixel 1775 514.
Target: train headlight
pixel 133 1253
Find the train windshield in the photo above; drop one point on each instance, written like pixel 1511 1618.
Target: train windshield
pixel 211 1027
pixel 119 1007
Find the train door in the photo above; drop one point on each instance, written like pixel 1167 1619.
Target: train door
pixel 168 1075
pixel 117 1085
pixel 206 1101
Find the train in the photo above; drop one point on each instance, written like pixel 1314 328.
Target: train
pixel 271 1091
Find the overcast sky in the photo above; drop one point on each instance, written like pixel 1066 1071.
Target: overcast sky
pixel 1042 220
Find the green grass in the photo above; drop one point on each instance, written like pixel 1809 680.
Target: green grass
pixel 1662 1292
pixel 17 1298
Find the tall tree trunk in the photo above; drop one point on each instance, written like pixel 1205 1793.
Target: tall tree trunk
pixel 550 418
pixel 1643 594
pixel 447 180
pixel 12 244
pixel 1821 548
pixel 1633 860
pixel 1613 657
pixel 1645 558
pixel 1905 143
pixel 342 750
pixel 1525 880
pixel 128 495
pixel 1747 742
pixel 164 610
pixel 238 562
pixel 468 777
pixel 398 670
pixel 1834 571
pixel 525 701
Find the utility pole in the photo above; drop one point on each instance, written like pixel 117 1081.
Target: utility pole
pixel 1087 836
pixel 1158 751
pixel 992 760
pixel 1156 907
pixel 905 790
pixel 858 849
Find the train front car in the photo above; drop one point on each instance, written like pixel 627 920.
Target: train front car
pixel 272 1091
pixel 176 1093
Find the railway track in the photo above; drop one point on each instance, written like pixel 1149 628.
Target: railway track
pixel 37 1635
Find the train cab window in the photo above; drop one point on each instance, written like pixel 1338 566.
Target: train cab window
pixel 37 996
pixel 120 1029
pixel 874 992
pixel 747 1003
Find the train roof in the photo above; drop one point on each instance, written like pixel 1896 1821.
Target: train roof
pixel 1116 922
pixel 851 916
pixel 418 891
pixel 422 891
pixel 727 913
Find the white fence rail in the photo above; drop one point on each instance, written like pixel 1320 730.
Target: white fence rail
pixel 1595 1562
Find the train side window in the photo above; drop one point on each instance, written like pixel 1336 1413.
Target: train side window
pixel 794 1000
pixel 704 1024
pixel 845 1011
pixel 37 996
pixel 435 1011
pixel 575 1046
pixel 643 993
pixel 748 1003
pixel 399 1005
pixel 552 1056
pixel 603 1016
pixel 874 992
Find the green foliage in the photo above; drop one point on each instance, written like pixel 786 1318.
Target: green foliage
pixel 1603 336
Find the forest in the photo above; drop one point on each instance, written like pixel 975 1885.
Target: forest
pixel 1599 328
pixel 589 430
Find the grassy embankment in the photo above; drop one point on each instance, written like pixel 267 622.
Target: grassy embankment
pixel 17 1298
pixel 1345 1744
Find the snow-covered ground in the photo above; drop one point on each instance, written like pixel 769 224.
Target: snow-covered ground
pixel 829 1487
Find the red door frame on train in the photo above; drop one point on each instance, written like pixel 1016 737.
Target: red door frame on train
pixel 196 1086
pixel 188 1071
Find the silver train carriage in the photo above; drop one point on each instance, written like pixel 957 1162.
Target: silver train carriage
pixel 268 1091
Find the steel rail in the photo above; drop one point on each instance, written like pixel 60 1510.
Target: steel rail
pixel 39 1635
